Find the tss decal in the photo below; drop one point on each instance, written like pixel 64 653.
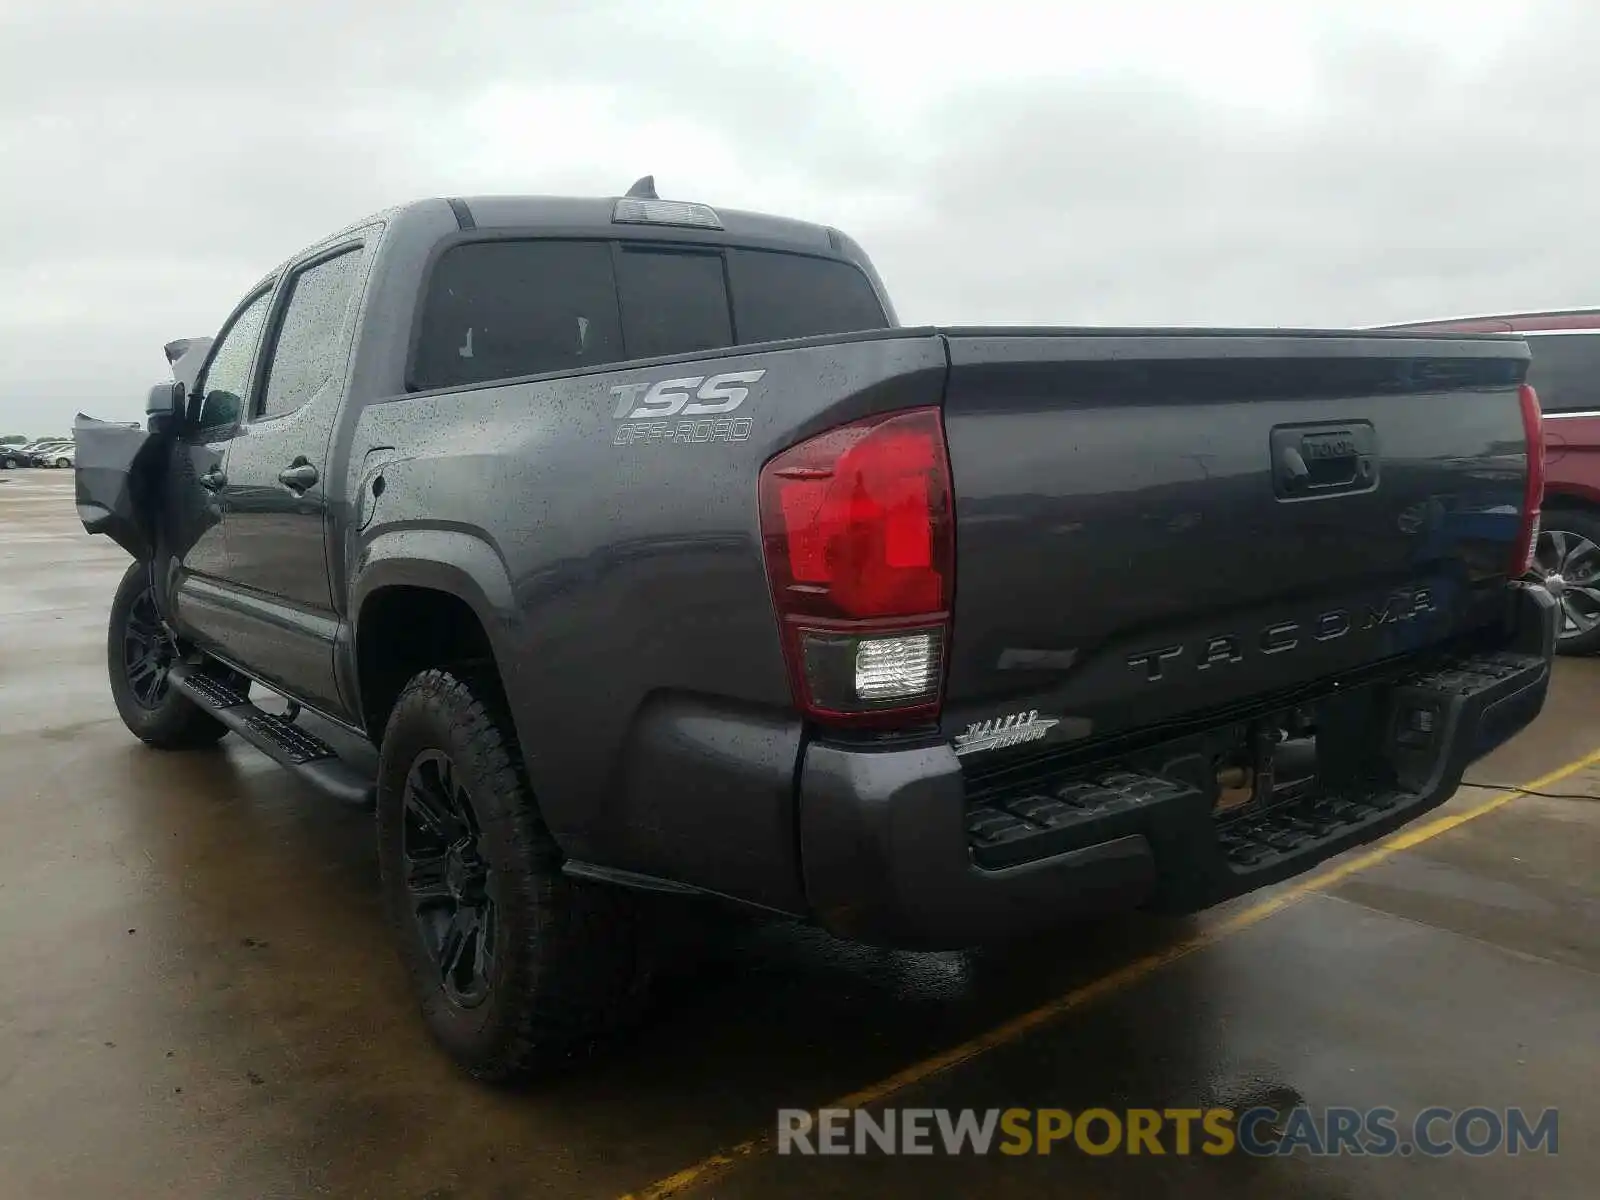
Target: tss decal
pixel 716 396
pixel 683 433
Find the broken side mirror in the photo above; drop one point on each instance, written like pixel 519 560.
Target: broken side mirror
pixel 163 408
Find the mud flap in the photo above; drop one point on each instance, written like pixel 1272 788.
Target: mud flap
pixel 116 477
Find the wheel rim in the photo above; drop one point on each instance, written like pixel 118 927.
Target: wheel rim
pixel 147 651
pixel 448 879
pixel 1570 564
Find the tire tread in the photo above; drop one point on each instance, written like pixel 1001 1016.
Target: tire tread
pixel 572 974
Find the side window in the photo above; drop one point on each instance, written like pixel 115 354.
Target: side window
pixel 673 301
pixel 1565 371
pixel 305 354
pixel 496 310
pixel 778 296
pixel 227 378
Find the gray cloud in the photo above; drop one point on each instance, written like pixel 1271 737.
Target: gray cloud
pixel 169 153
pixel 1406 190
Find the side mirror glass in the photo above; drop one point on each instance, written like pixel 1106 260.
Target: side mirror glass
pixel 220 410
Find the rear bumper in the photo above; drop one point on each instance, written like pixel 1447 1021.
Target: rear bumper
pixel 895 851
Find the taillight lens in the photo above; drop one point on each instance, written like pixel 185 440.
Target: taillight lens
pixel 859 538
pixel 1533 498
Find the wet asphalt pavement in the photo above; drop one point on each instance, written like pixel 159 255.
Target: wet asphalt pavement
pixel 198 997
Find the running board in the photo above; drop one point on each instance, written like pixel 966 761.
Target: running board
pixel 288 745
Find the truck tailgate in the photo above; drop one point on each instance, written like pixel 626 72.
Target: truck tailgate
pixel 1154 524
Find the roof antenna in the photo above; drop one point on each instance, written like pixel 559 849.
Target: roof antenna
pixel 644 189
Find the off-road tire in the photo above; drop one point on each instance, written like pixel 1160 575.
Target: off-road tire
pixel 172 721
pixel 566 963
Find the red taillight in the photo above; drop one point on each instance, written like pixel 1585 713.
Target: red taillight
pixel 1533 496
pixel 859 538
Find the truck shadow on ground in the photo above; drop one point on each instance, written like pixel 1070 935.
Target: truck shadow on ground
pixel 268 894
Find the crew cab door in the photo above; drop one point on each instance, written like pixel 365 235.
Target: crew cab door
pixel 191 554
pixel 158 494
pixel 276 496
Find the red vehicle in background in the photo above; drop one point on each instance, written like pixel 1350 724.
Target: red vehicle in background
pixel 1566 374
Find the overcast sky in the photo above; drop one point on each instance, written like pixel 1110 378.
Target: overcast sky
pixel 1291 162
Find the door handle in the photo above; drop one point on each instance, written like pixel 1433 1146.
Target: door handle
pixel 299 476
pixel 214 480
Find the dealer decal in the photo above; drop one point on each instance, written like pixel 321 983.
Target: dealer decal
pixel 1000 732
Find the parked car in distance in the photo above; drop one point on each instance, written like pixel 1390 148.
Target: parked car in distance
pixel 1566 373
pixel 12 457
pixel 53 452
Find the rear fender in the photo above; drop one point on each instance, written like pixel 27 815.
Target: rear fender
pixel 116 482
pixel 451 561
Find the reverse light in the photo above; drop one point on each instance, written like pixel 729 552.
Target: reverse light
pixel 1533 497
pixel 897 668
pixel 859 539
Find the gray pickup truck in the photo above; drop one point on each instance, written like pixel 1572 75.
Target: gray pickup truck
pixel 654 556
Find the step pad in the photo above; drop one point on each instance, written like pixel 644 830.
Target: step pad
pixel 281 740
pixel 1008 830
pixel 1255 842
pixel 297 745
pixel 211 691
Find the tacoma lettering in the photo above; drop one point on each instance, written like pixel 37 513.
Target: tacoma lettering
pixel 1281 637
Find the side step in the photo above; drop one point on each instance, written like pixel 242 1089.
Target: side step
pixel 307 755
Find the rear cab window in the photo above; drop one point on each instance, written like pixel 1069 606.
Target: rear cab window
pixel 1565 371
pixel 506 308
pixel 673 301
pixel 779 296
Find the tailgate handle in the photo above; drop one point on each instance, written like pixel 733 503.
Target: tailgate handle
pixel 1324 460
pixel 1292 468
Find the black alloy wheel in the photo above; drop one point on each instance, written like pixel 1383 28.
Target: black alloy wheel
pixel 147 651
pixel 448 879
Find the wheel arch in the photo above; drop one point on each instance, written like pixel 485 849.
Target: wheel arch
pixel 423 598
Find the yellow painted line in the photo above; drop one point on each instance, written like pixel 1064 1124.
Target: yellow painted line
pixel 1124 976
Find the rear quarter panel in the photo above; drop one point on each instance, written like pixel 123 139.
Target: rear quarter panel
pixel 634 626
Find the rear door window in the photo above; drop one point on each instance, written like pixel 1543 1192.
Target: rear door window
pixel 673 301
pixel 778 296
pixel 1566 371
pixel 306 352
pixel 497 310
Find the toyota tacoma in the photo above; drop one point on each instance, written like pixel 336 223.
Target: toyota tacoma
pixel 653 555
